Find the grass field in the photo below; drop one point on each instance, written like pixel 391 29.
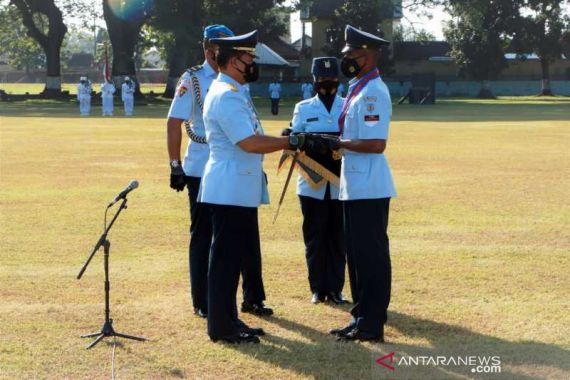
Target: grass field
pixel 479 236
pixel 36 88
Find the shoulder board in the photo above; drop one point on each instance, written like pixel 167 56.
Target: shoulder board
pixel 232 87
pixel 194 69
pixel 305 102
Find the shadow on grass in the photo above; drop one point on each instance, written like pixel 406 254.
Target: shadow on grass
pixel 318 355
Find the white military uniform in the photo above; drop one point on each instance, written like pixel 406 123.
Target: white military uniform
pixel 307 90
pixel 186 106
pixel 311 115
pixel 232 176
pixel 84 97
pixel 107 91
pixel 366 175
pixel 128 97
pixel 275 90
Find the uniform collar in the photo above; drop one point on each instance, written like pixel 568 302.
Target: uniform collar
pixel 227 79
pixel 317 102
pixel 208 69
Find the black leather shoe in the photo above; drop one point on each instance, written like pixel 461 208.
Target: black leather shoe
pixel 336 298
pixel 256 308
pixel 237 339
pixel 342 331
pixel 242 327
pixel 363 336
pixel 200 312
pixel 318 297
pixel 252 330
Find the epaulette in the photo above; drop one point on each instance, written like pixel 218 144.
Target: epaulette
pixel 194 69
pixel 232 87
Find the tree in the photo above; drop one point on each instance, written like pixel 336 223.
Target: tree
pixel 178 25
pixel 44 23
pixel 243 16
pixel 477 34
pixel 366 15
pixel 540 31
pixel 124 22
pixel 22 52
pixel 402 33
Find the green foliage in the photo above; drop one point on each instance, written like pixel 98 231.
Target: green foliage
pixel 242 16
pixel 478 35
pixel 22 52
pixel 403 33
pixel 541 29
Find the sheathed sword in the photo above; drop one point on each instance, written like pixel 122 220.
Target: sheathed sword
pixel 293 162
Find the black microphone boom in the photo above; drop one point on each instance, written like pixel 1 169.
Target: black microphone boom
pixel 133 185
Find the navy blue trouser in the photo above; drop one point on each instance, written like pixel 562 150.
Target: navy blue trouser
pixel 235 241
pixel 368 254
pixel 324 243
pixel 275 106
pixel 199 254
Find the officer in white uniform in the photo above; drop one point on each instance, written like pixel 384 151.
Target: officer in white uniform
pixel 234 184
pixel 107 91
pixel 366 185
pixel 128 96
pixel 275 95
pixel 307 90
pixel 322 211
pixel 84 96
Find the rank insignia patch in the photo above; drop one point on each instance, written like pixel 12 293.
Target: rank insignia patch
pixel 312 119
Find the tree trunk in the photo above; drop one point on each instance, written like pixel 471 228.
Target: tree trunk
pixel 545 66
pixel 178 63
pixel 485 92
pixel 50 43
pixel 124 35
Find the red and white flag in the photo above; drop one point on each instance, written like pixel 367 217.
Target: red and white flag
pixel 106 68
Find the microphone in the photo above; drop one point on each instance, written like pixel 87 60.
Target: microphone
pixel 133 185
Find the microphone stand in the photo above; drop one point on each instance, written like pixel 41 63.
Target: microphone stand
pixel 107 329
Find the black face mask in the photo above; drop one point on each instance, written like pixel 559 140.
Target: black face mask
pixel 350 67
pixel 329 87
pixel 250 72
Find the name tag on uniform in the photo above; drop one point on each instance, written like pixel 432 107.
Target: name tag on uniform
pixel 371 120
pixel 312 119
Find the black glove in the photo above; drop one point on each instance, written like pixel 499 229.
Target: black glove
pixel 177 177
pixel 332 142
pixel 286 131
pixel 314 144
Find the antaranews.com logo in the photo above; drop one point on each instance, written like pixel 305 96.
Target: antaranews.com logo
pixel 477 363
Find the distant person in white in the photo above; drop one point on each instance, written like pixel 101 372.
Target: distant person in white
pixel 275 95
pixel 127 96
pixel 340 89
pixel 307 90
pixel 107 91
pixel 84 96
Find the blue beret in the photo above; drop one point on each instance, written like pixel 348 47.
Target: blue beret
pixel 325 67
pixel 217 31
